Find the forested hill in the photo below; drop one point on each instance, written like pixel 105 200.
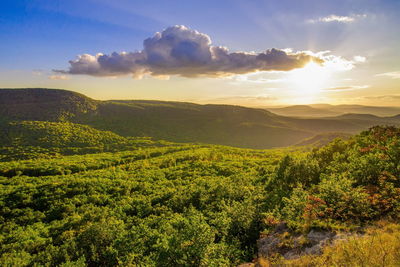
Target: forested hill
pixel 43 139
pixel 43 104
pixel 176 121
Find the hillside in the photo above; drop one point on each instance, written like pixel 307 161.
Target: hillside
pixel 41 139
pixel 185 122
pixel 202 205
pixel 55 134
pixel 176 121
pixel 322 139
pixel 43 104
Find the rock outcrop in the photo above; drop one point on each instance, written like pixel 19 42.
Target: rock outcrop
pixel 293 245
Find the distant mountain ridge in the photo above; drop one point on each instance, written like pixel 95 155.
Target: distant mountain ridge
pixel 177 121
pixel 326 110
pixel 303 111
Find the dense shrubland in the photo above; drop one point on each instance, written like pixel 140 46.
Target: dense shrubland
pixel 191 205
pixel 342 184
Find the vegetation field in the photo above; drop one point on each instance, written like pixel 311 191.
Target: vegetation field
pixel 166 204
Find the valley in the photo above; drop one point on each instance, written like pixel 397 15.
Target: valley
pixel 93 183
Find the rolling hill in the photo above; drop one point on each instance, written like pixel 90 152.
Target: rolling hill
pixel 55 134
pixel 43 139
pixel 177 121
pixel 43 104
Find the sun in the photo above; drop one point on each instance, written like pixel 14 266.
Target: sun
pixel 310 79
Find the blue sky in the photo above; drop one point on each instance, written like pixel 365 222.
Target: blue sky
pixel 39 36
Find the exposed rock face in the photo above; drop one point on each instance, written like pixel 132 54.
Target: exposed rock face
pixel 291 246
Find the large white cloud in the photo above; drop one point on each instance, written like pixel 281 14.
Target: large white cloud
pixel 181 51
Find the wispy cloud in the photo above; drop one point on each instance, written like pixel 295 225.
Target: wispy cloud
pixel 244 100
pixel 338 19
pixel 181 51
pixel 383 97
pixel 255 78
pixel 261 97
pixel 59 77
pixel 393 74
pixel 347 88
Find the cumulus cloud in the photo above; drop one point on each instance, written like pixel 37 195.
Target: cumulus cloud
pixel 58 77
pixel 339 19
pixel 393 75
pixel 181 51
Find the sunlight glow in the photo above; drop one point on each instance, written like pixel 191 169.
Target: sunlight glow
pixel 310 79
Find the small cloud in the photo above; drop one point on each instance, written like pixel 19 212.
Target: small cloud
pixel 347 88
pixel 336 63
pixel 162 77
pixel 59 77
pixel 359 59
pixel 37 72
pixel 251 78
pixel 393 74
pixel 338 19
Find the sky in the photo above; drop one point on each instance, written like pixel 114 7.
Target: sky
pixel 243 52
